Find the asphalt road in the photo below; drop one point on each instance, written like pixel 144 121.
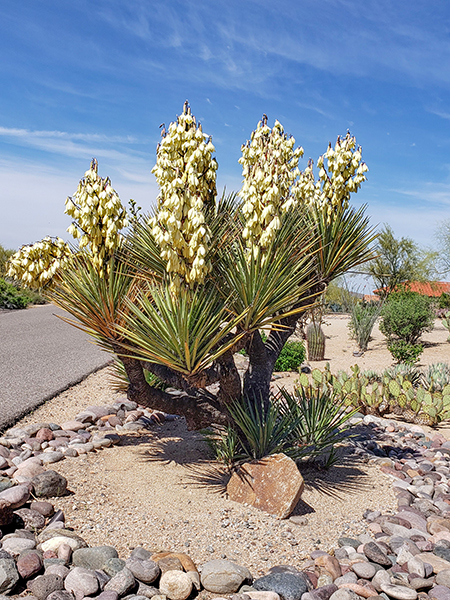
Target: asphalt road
pixel 40 356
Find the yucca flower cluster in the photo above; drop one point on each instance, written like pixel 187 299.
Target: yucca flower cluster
pixel 186 174
pixel 344 173
pixel 35 265
pixel 269 168
pixel 98 216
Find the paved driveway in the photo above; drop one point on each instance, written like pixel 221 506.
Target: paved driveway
pixel 40 356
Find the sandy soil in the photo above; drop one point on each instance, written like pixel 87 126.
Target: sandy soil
pixel 162 490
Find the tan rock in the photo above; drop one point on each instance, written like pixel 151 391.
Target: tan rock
pixel 272 484
pixel 438 563
pixel 437 525
pixel 361 590
pixel 330 563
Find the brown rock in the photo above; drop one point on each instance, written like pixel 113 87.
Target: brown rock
pixel 361 590
pixel 330 563
pixel 272 484
pixel 436 525
pixel 170 563
pixel 45 434
pixel 29 563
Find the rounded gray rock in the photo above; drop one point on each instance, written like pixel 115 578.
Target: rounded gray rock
pixel 81 582
pixel 144 570
pixel 49 484
pixel 44 585
pixel 443 578
pixel 223 576
pixel 364 570
pixel 122 583
pixel 289 586
pixel 93 558
pixel 8 575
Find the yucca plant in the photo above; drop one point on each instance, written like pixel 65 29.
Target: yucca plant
pixel 197 280
pixel 322 421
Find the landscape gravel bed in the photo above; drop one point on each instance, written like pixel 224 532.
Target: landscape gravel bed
pixel 146 515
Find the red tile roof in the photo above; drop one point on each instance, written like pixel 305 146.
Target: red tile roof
pixel 431 289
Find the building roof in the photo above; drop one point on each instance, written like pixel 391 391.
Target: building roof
pixel 426 288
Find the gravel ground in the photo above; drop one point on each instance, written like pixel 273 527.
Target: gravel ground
pixel 162 491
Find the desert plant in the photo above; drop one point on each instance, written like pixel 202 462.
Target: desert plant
pixel 436 377
pixel 407 371
pixel 315 341
pixel 444 300
pixel 446 323
pixel 405 352
pixel 362 319
pixel 291 357
pixel 405 316
pixel 322 418
pixel 11 297
pixel 5 255
pixel 199 278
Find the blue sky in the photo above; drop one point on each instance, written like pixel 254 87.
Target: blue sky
pixel 84 79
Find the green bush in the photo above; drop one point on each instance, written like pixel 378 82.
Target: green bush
pixel 405 352
pixel 405 316
pixel 5 254
pixel 444 300
pixel 11 297
pixel 291 357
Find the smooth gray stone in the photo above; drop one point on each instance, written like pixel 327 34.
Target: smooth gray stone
pixel 224 576
pixel 93 558
pixel 8 575
pixel 288 586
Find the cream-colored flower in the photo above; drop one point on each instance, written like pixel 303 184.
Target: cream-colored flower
pixel 186 174
pixel 269 168
pixel 35 265
pixel 98 216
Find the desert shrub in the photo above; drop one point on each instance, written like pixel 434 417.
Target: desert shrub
pixel 405 316
pixel 291 357
pixel 362 320
pixel 5 254
pixel 304 425
pixel 405 352
pixel 444 300
pixel 11 297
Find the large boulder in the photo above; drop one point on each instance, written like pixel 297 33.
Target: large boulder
pixel 272 484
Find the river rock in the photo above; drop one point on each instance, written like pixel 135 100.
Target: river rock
pixel 61 595
pixel 289 586
pixel 16 496
pixel 29 564
pixel 44 585
pixel 224 576
pixel 81 582
pixel 122 583
pixel 93 558
pixel 9 575
pixel 49 484
pixel 176 585
pixel 31 518
pixel 17 545
pixel 272 484
pixel 376 555
pixel 144 570
pixel 399 592
pixel 364 570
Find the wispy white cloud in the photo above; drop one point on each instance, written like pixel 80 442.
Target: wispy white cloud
pixel 85 146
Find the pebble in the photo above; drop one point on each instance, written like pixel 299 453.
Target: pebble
pixel 411 552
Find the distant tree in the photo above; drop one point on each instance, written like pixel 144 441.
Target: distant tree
pixel 399 261
pixel 4 255
pixel 443 236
